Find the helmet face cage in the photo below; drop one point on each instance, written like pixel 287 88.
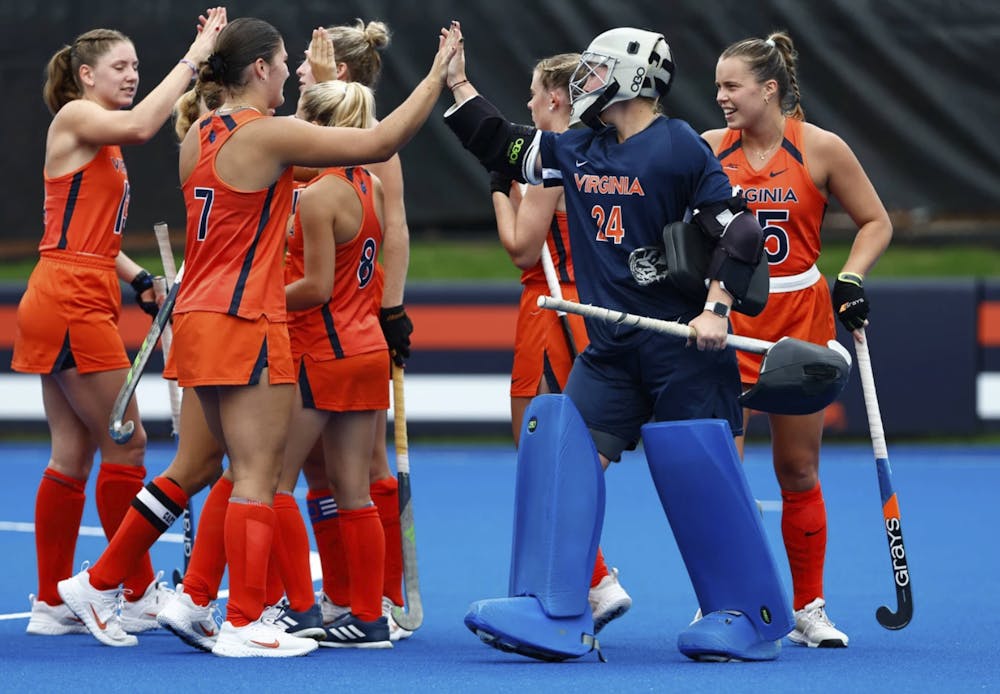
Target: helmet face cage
pixel 590 64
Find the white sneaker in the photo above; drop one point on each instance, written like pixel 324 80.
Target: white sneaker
pixel 99 610
pixel 193 624
pixel 814 629
pixel 272 612
pixel 53 620
pixel 140 616
pixel 608 600
pixel 396 632
pixel 259 640
pixel 331 610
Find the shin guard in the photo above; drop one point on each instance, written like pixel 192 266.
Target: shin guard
pixel 718 530
pixel 558 514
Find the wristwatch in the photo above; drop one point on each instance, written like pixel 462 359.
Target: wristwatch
pixel 718 308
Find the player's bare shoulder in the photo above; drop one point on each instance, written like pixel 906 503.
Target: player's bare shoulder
pixel 714 137
pixel 824 150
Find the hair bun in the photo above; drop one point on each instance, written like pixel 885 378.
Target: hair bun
pixel 217 64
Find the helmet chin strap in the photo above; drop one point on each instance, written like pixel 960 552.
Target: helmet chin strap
pixel 591 117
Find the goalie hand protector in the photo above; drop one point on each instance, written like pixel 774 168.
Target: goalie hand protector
pixel 498 144
pixel 740 244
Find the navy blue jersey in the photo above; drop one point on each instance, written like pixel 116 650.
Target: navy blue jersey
pixel 619 197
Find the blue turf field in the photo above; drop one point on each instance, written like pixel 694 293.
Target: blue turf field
pixel 462 498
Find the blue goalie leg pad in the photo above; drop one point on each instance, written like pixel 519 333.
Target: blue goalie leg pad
pixel 519 625
pixel 715 521
pixel 723 636
pixel 558 508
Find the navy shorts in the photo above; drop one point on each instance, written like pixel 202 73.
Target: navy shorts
pixel 661 379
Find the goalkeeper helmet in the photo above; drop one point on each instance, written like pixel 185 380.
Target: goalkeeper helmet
pixel 626 63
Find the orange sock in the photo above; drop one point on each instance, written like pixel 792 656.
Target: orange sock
pixel 293 552
pixel 58 511
pixel 208 559
pixel 803 527
pixel 154 509
pixel 117 485
pixel 385 494
pixel 330 545
pixel 364 551
pixel 275 589
pixel 249 533
pixel 600 569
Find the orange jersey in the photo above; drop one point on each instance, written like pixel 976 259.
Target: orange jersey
pixel 85 210
pixel 790 209
pixel 235 238
pixel 558 243
pixel 347 324
pixel 782 194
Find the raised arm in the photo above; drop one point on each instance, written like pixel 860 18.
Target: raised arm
pixel 90 124
pixel 305 144
pixel 484 131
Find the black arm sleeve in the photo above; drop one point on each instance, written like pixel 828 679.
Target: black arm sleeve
pixel 739 247
pixel 498 144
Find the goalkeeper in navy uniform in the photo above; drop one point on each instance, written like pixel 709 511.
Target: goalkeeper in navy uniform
pixel 627 176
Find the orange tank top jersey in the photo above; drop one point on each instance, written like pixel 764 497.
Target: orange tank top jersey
pixel 558 243
pixel 85 210
pixel 235 238
pixel 790 209
pixel 782 194
pixel 347 324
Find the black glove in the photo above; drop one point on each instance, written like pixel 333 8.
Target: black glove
pixel 500 183
pixel 849 300
pixel 396 326
pixel 142 283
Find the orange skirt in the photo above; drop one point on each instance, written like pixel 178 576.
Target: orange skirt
pixel 353 384
pixel 216 349
pixel 539 337
pixel 72 304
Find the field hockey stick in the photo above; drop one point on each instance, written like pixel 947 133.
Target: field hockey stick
pixel 162 233
pixel 796 377
pixel 890 504
pixel 747 344
pixel 556 291
pixel 413 616
pixel 120 431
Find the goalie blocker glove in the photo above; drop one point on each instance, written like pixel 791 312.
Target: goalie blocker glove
pixel 142 283
pixel 499 145
pixel 500 183
pixel 396 326
pixel 849 300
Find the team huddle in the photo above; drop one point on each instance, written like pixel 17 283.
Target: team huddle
pixel 290 317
